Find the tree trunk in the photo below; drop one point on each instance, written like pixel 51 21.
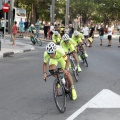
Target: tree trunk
pixel 33 15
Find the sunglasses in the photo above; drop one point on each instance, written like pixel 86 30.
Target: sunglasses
pixel 50 53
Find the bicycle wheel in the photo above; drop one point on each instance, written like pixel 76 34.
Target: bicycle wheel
pixel 74 70
pixel 84 59
pixel 32 40
pixel 39 42
pixel 59 96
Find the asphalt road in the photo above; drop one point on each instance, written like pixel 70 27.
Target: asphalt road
pixel 25 96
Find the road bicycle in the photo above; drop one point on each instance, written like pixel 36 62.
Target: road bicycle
pixel 35 39
pixel 73 66
pixel 61 89
pixel 82 54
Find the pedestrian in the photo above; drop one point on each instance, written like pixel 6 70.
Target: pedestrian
pixel 62 30
pixel 38 24
pixel 2 25
pixel 110 30
pixel 91 34
pixel 51 30
pixel 85 31
pixel 67 29
pixel 45 30
pixel 14 32
pixel 26 27
pixel 101 33
pixel 21 27
pixel 71 30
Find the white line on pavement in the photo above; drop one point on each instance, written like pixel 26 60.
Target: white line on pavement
pixel 104 99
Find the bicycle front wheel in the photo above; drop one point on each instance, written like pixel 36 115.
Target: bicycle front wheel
pixel 74 70
pixel 39 42
pixel 33 40
pixel 59 96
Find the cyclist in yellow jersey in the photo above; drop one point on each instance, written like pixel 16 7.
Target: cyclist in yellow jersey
pixel 56 37
pixel 77 39
pixel 57 55
pixel 68 44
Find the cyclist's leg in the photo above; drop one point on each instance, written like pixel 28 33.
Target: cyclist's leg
pixel 63 63
pixel 69 78
pixel 83 47
pixel 72 49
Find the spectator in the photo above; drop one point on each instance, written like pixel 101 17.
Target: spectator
pixel 62 29
pixel 56 27
pixel 2 25
pixel 14 31
pixel 118 27
pixel 45 30
pixel 67 29
pixel 109 35
pixel 38 24
pixel 21 27
pixel 91 35
pixel 101 33
pixel 26 27
pixel 51 30
pixel 85 32
pixel 71 30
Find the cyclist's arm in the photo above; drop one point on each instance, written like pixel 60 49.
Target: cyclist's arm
pixel 44 67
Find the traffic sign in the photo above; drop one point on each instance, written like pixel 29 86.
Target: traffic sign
pixel 6 8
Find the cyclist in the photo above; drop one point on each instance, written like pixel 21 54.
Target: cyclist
pixel 32 28
pixel 77 39
pixel 56 37
pixel 57 55
pixel 68 44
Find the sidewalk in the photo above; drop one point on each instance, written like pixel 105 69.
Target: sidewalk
pixel 7 49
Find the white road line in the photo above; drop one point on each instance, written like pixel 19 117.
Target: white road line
pixel 104 99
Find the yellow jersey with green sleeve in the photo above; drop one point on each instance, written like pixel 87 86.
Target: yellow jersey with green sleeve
pixel 56 38
pixel 71 41
pixel 60 53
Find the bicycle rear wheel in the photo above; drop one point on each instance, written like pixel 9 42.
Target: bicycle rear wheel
pixel 84 60
pixel 39 42
pixel 74 70
pixel 59 96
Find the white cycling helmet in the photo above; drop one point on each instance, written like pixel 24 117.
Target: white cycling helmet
pixel 65 37
pixel 51 47
pixel 32 25
pixel 76 33
pixel 56 33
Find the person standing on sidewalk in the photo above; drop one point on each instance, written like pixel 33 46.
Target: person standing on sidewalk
pixel 2 25
pixel 26 27
pixel 37 25
pixel 85 31
pixel 101 33
pixel 14 32
pixel 51 30
pixel 21 27
pixel 110 30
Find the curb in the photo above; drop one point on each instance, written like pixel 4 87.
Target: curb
pixel 9 54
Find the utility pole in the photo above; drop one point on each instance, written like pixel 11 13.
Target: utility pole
pixel 67 13
pixel 53 11
pixel 11 16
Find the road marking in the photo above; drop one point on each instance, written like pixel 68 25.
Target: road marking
pixel 104 99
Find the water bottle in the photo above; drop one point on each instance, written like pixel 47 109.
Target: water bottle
pixel 63 79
